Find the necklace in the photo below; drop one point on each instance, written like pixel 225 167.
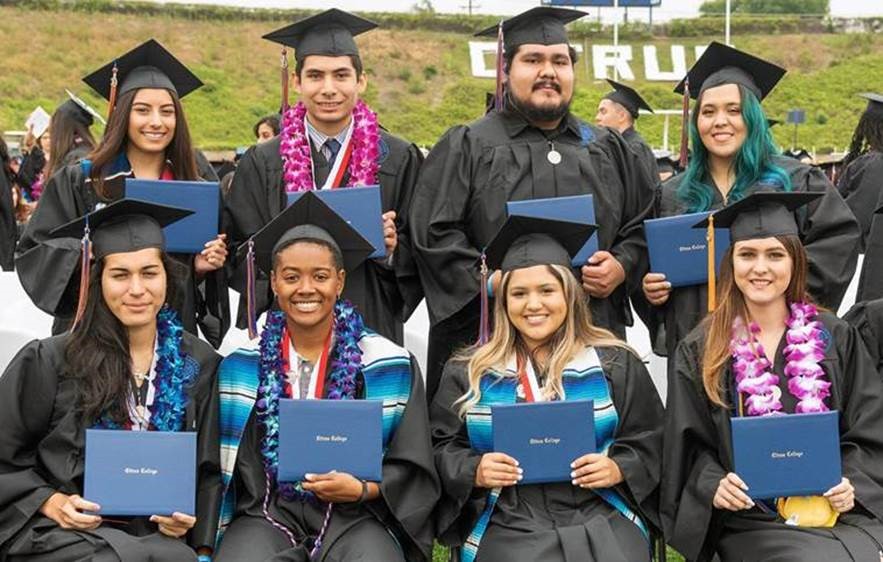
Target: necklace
pixel 804 351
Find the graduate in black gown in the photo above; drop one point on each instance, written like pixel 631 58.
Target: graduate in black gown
pixel 534 147
pixel 146 138
pixel 544 347
pixel 8 226
pixel 315 345
pixel 733 156
pixel 332 139
pixel 619 110
pixel 127 365
pixel 767 349
pixel 862 186
pixel 72 138
pixel 867 318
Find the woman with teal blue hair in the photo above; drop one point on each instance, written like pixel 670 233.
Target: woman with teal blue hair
pixel 733 155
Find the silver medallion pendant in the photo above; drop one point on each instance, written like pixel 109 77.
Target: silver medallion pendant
pixel 554 157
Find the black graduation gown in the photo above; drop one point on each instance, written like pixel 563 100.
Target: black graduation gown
pixel 49 269
pixel 384 294
pixel 408 492
pixel 862 186
pixel 829 233
pixel 643 151
pixel 8 225
pixel 41 452
pixel 699 452
pixel 867 318
pixel 460 204
pixel 29 171
pixel 554 522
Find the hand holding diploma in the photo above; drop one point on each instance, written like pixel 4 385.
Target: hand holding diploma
pixel 496 470
pixel 595 470
pixel 67 511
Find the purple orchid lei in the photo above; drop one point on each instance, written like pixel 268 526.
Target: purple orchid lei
pixel 175 373
pixel 297 169
pixel 804 351
pixel 346 364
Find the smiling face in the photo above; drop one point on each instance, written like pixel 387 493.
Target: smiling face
pixel 720 123
pixel 134 286
pixel 152 120
pixel 540 81
pixel 762 270
pixel 329 88
pixel 535 304
pixel 307 283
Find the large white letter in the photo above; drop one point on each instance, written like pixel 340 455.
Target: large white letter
pixel 604 57
pixel 678 64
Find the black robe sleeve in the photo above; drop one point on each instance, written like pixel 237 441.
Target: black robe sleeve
pixel 27 395
pixel 691 466
pixel 637 447
pixel 456 461
pixel 862 188
pixel 867 318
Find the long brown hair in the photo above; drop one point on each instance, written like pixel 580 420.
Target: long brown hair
pixel 731 304
pixel 179 153
pixel 67 134
pixel 576 333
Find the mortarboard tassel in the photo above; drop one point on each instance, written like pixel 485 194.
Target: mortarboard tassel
pixel 685 125
pixel 250 292
pixel 483 323
pixel 112 98
pixel 712 273
pixel 85 272
pixel 285 79
pixel 498 96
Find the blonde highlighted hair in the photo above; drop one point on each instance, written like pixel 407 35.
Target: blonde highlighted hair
pixel 576 333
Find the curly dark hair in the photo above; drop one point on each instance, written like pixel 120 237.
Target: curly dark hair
pixel 868 135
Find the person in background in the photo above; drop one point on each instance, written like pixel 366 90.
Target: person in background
pixel 619 110
pixel 72 138
pixel 266 128
pixel 36 152
pixel 8 226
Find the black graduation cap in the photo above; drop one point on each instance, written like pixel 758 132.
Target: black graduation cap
pixel 309 217
pixel 78 110
pixel 529 241
pixel 762 214
pixel 542 26
pixel 875 104
pixel 721 64
pixel 328 33
pixel 773 122
pixel 149 65
pixel 627 97
pixel 126 225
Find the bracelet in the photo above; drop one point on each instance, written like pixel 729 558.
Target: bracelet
pixel 364 494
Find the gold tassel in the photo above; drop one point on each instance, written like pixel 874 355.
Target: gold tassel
pixel 112 98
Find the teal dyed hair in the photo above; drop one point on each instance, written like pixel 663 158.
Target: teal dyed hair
pixel 754 161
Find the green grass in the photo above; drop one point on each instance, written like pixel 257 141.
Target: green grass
pixel 419 80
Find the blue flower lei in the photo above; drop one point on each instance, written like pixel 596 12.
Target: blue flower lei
pixel 175 372
pixel 346 364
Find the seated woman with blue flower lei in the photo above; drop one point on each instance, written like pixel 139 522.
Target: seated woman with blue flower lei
pixel 314 345
pixel 127 365
pixel 544 347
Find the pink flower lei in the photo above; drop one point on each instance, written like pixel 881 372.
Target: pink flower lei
pixel 804 351
pixel 297 165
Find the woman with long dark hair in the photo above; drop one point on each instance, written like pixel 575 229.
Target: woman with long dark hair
pixel 862 185
pixel 147 138
pixel 544 347
pixel 315 346
pixel 127 365
pixel 769 350
pixel 733 155
pixel 71 138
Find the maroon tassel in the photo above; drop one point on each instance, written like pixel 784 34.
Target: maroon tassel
pixel 85 270
pixel 285 79
pixel 112 98
pixel 484 321
pixel 685 125
pixel 498 96
pixel 251 308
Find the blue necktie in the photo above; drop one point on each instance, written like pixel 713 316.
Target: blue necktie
pixel 333 146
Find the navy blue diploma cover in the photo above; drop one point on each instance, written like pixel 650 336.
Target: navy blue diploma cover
pixel 790 455
pixel 140 472
pixel 572 208
pixel 680 251
pixel 545 437
pixel 360 206
pixel 188 235
pixel 318 436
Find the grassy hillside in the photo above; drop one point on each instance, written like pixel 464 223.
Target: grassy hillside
pixel 419 80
